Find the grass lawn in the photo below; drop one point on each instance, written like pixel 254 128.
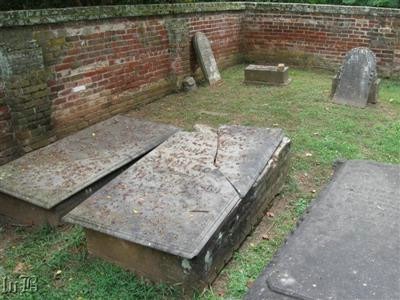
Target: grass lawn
pixel 321 132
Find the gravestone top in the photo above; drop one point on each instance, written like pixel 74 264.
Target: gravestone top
pixel 206 58
pixel 347 246
pixel 176 197
pixel 50 175
pixel 356 77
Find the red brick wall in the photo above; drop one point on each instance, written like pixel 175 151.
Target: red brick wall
pixel 66 69
pixel 7 144
pixel 301 35
pixel 96 69
pixel 99 68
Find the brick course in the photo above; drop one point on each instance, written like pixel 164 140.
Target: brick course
pixel 65 69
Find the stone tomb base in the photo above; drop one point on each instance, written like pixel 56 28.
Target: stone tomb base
pixel 178 214
pixel 45 184
pixel 269 75
pixel 347 246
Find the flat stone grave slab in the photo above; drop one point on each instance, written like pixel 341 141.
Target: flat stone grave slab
pixel 269 75
pixel 356 83
pixel 45 184
pixel 347 246
pixel 177 215
pixel 206 58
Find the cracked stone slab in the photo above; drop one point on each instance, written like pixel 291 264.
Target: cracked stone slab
pixel 48 176
pixel 347 246
pixel 176 197
pixel 243 153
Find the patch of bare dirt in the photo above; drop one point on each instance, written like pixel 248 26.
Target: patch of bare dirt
pixel 7 238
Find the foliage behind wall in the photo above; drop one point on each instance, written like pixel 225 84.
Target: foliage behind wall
pixel 41 4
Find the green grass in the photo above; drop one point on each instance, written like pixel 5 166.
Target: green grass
pixel 321 133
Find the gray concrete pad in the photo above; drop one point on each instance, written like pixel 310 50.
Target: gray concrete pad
pixel 347 246
pixel 52 174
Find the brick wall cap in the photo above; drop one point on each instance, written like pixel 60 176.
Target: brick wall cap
pixel 74 14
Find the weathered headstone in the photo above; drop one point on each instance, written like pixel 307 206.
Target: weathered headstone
pixel 179 213
pixel 269 75
pixel 206 58
pixel 189 84
pixel 347 246
pixel 357 82
pixel 45 184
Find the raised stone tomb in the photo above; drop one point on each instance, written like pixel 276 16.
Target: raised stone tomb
pixel 178 214
pixel 347 246
pixel 268 75
pixel 43 185
pixel 357 82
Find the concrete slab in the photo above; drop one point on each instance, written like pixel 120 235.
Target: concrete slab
pixel 347 246
pixel 175 216
pixel 47 177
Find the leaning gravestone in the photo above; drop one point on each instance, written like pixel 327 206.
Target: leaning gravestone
pixel 206 58
pixel 347 246
pixel 356 83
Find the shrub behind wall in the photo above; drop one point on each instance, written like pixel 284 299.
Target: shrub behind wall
pixel 42 4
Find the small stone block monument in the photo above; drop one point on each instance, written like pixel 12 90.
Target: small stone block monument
pixel 189 84
pixel 45 184
pixel 357 81
pixel 206 59
pixel 348 244
pixel 177 215
pixel 269 75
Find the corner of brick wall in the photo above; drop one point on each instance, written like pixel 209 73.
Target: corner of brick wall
pixel 62 70
pixel 320 35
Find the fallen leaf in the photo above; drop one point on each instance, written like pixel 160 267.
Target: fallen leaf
pixel 57 274
pixel 270 214
pixel 20 268
pixel 250 283
pixel 265 237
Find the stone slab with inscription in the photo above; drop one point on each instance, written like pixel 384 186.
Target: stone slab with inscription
pixel 178 214
pixel 43 185
pixel 347 246
pixel 206 59
pixel 357 82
